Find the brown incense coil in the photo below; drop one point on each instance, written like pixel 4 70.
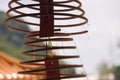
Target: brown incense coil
pixel 63 12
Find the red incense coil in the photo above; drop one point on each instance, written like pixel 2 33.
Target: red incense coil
pixel 62 12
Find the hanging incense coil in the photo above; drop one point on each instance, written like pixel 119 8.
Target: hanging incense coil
pixel 61 17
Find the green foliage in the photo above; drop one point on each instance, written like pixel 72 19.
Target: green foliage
pixel 13 37
pixel 2 17
pixel 11 41
pixel 67 70
pixel 116 72
pixel 11 50
pixel 104 70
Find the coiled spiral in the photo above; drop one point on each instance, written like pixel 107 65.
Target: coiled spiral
pixel 64 13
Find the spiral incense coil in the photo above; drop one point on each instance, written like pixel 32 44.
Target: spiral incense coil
pixel 57 15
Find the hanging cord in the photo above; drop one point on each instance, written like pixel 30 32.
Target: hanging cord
pixel 81 61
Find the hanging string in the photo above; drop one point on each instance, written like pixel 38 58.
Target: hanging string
pixel 80 59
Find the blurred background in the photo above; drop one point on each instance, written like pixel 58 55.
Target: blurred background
pixel 99 48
